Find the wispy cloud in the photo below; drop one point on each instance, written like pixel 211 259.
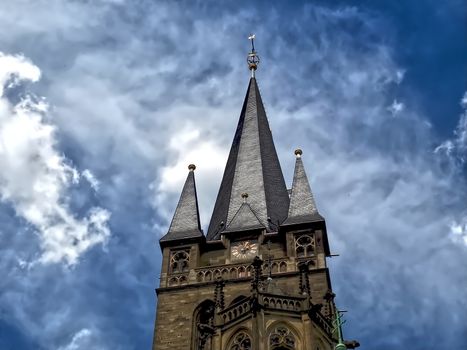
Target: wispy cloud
pixel 456 147
pixel 459 231
pixel 396 107
pixel 79 341
pixel 89 176
pixel 186 147
pixel 35 176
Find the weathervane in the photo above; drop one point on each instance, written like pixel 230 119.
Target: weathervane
pixel 253 58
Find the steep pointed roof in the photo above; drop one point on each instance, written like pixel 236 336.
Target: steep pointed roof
pixel 302 207
pixel 245 219
pixel 185 223
pixel 252 167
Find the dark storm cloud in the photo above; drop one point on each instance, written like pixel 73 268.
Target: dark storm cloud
pixel 139 89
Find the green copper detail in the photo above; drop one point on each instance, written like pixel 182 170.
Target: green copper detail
pixel 338 322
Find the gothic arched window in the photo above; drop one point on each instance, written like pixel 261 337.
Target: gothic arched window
pixel 179 261
pixel 281 338
pixel 241 341
pixel 203 325
pixel 304 245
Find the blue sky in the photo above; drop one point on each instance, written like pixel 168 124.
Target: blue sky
pixel 104 103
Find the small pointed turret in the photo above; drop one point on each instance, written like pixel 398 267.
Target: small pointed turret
pixel 302 207
pixel 185 223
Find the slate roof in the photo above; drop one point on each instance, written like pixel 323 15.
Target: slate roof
pixel 302 207
pixel 245 219
pixel 252 167
pixel 185 223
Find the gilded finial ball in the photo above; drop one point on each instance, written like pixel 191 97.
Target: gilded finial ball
pixel 244 195
pixel 298 152
pixel 253 61
pixel 191 167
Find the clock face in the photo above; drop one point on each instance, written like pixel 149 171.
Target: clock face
pixel 244 250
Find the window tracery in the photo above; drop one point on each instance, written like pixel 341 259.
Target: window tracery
pixel 204 325
pixel 179 261
pixel 304 245
pixel 282 338
pixel 242 341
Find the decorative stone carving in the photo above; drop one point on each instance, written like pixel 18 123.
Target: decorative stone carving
pixel 242 341
pixel 305 245
pixel 177 280
pixel 257 263
pixel 179 261
pixel 219 297
pixel 234 271
pixel 282 337
pixel 304 280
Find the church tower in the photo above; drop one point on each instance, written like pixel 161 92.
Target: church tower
pixel 258 280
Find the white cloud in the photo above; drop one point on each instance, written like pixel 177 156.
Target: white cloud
pixel 400 74
pixel 16 68
pixel 189 146
pixel 464 100
pixel 459 231
pixel 34 176
pixel 80 341
pixel 396 107
pixel 461 131
pixel 89 176
pixel 456 147
pixel 446 147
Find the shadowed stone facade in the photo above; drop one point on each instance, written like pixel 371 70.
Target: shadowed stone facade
pixel 258 280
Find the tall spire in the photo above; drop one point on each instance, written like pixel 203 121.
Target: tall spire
pixel 253 168
pixel 185 223
pixel 302 207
